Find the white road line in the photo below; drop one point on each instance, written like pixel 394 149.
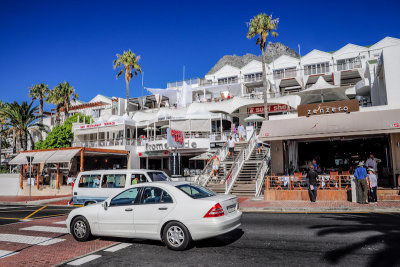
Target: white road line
pixel 31 240
pixel 5 208
pixel 60 222
pixel 6 253
pixel 49 229
pixel 117 247
pixel 83 260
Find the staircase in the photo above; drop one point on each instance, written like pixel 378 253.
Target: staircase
pixel 245 184
pixel 388 194
pixel 217 184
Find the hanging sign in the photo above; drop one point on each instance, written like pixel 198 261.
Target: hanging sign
pixel 328 108
pixel 271 109
pixel 175 138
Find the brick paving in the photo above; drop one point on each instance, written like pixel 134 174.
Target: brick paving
pixel 50 255
pixel 26 198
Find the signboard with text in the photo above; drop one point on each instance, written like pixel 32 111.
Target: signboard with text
pixel 328 108
pixel 95 125
pixel 271 109
pixel 175 138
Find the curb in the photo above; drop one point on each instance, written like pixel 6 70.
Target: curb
pixel 318 210
pixel 34 202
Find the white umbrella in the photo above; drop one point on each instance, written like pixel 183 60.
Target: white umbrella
pixel 164 127
pixel 254 118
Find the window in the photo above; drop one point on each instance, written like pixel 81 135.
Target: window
pixel 127 197
pixel 113 181
pixel 157 176
pixel 253 77
pixel 115 107
pixel 228 80
pixel 155 195
pixel 317 68
pixel 195 191
pixel 348 63
pixel 138 178
pixel 90 180
pixel 96 113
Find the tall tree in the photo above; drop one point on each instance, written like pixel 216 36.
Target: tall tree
pixel 22 120
pixel 262 26
pixel 61 96
pixel 128 62
pixel 39 92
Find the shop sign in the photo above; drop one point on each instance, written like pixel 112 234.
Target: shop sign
pixel 165 145
pixel 396 125
pixel 271 109
pixel 175 138
pixel 328 108
pixel 95 125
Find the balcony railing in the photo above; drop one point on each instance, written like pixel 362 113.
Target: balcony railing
pixel 192 81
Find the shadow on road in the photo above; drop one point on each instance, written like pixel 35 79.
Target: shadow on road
pixel 219 241
pixel 384 230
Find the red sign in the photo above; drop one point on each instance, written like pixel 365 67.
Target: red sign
pixel 97 125
pixel 271 109
pixel 396 125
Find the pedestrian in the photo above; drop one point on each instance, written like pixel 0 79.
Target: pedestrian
pixel 372 163
pixel 234 131
pixel 259 144
pixel 312 183
pixel 231 146
pixel 241 132
pixel 215 165
pixel 373 184
pixel 362 189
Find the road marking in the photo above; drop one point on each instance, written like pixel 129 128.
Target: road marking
pixel 60 222
pixel 48 216
pixel 31 240
pixel 35 212
pixel 4 208
pixel 7 218
pixel 6 253
pixel 83 260
pixel 51 229
pixel 118 247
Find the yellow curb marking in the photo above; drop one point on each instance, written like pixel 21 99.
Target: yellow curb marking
pixel 34 212
pixel 47 216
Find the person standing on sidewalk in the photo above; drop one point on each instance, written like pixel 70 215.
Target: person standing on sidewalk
pixel 312 183
pixel 362 188
pixel 373 185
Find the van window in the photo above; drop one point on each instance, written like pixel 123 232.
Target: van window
pixel 90 180
pixel 113 181
pixel 137 178
pixel 155 195
pixel 157 176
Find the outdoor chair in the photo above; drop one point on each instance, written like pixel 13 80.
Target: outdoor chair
pixel 297 179
pixel 333 180
pixel 346 178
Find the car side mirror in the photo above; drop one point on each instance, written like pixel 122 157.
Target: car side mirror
pixel 105 205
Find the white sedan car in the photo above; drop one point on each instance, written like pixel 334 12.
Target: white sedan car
pixel 173 212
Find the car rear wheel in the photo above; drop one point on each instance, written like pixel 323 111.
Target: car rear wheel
pixel 176 236
pixel 80 229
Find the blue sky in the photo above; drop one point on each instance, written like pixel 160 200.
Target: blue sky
pixel 76 41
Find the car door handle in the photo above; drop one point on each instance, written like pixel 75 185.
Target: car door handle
pixel 163 208
pixel 128 209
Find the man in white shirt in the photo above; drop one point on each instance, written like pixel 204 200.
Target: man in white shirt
pixel 231 146
pixel 241 132
pixel 372 163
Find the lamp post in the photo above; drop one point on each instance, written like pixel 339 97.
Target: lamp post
pixel 30 159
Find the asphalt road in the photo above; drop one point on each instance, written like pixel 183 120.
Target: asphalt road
pixel 278 240
pixel 15 213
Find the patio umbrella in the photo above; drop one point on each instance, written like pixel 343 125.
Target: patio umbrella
pixel 164 127
pixel 254 118
pixel 321 92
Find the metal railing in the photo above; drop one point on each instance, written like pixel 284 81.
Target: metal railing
pixel 234 172
pixel 250 145
pixel 261 173
pixel 180 83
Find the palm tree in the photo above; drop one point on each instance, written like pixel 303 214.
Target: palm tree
pixel 263 25
pixel 22 121
pixel 61 96
pixel 128 62
pixel 39 92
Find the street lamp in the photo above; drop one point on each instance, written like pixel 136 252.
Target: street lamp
pixel 30 159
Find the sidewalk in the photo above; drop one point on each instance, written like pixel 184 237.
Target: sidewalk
pixel 35 200
pixel 288 206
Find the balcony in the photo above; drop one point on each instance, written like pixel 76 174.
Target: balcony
pixel 285 73
pixel 348 64
pixel 194 81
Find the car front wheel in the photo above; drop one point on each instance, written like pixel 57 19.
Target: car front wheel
pixel 176 236
pixel 80 229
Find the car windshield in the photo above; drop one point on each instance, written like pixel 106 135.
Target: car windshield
pixel 157 176
pixel 196 191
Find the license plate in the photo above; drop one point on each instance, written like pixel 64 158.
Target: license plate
pixel 231 208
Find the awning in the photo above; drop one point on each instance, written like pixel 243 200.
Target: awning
pixel 20 159
pixel 332 125
pixel 203 156
pixel 42 156
pixel 62 155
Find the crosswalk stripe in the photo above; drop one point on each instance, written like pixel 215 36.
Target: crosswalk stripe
pixel 118 247
pixel 60 222
pixel 84 260
pixel 31 240
pixel 6 253
pixel 49 229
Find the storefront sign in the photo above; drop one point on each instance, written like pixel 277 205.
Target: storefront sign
pixel 328 108
pixel 95 125
pixel 396 125
pixel 163 145
pixel 271 109
pixel 175 138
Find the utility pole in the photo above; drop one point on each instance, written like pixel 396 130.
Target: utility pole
pixel 30 159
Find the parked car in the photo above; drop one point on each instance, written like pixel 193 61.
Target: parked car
pixel 96 186
pixel 173 212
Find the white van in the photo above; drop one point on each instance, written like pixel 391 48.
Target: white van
pixel 96 186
